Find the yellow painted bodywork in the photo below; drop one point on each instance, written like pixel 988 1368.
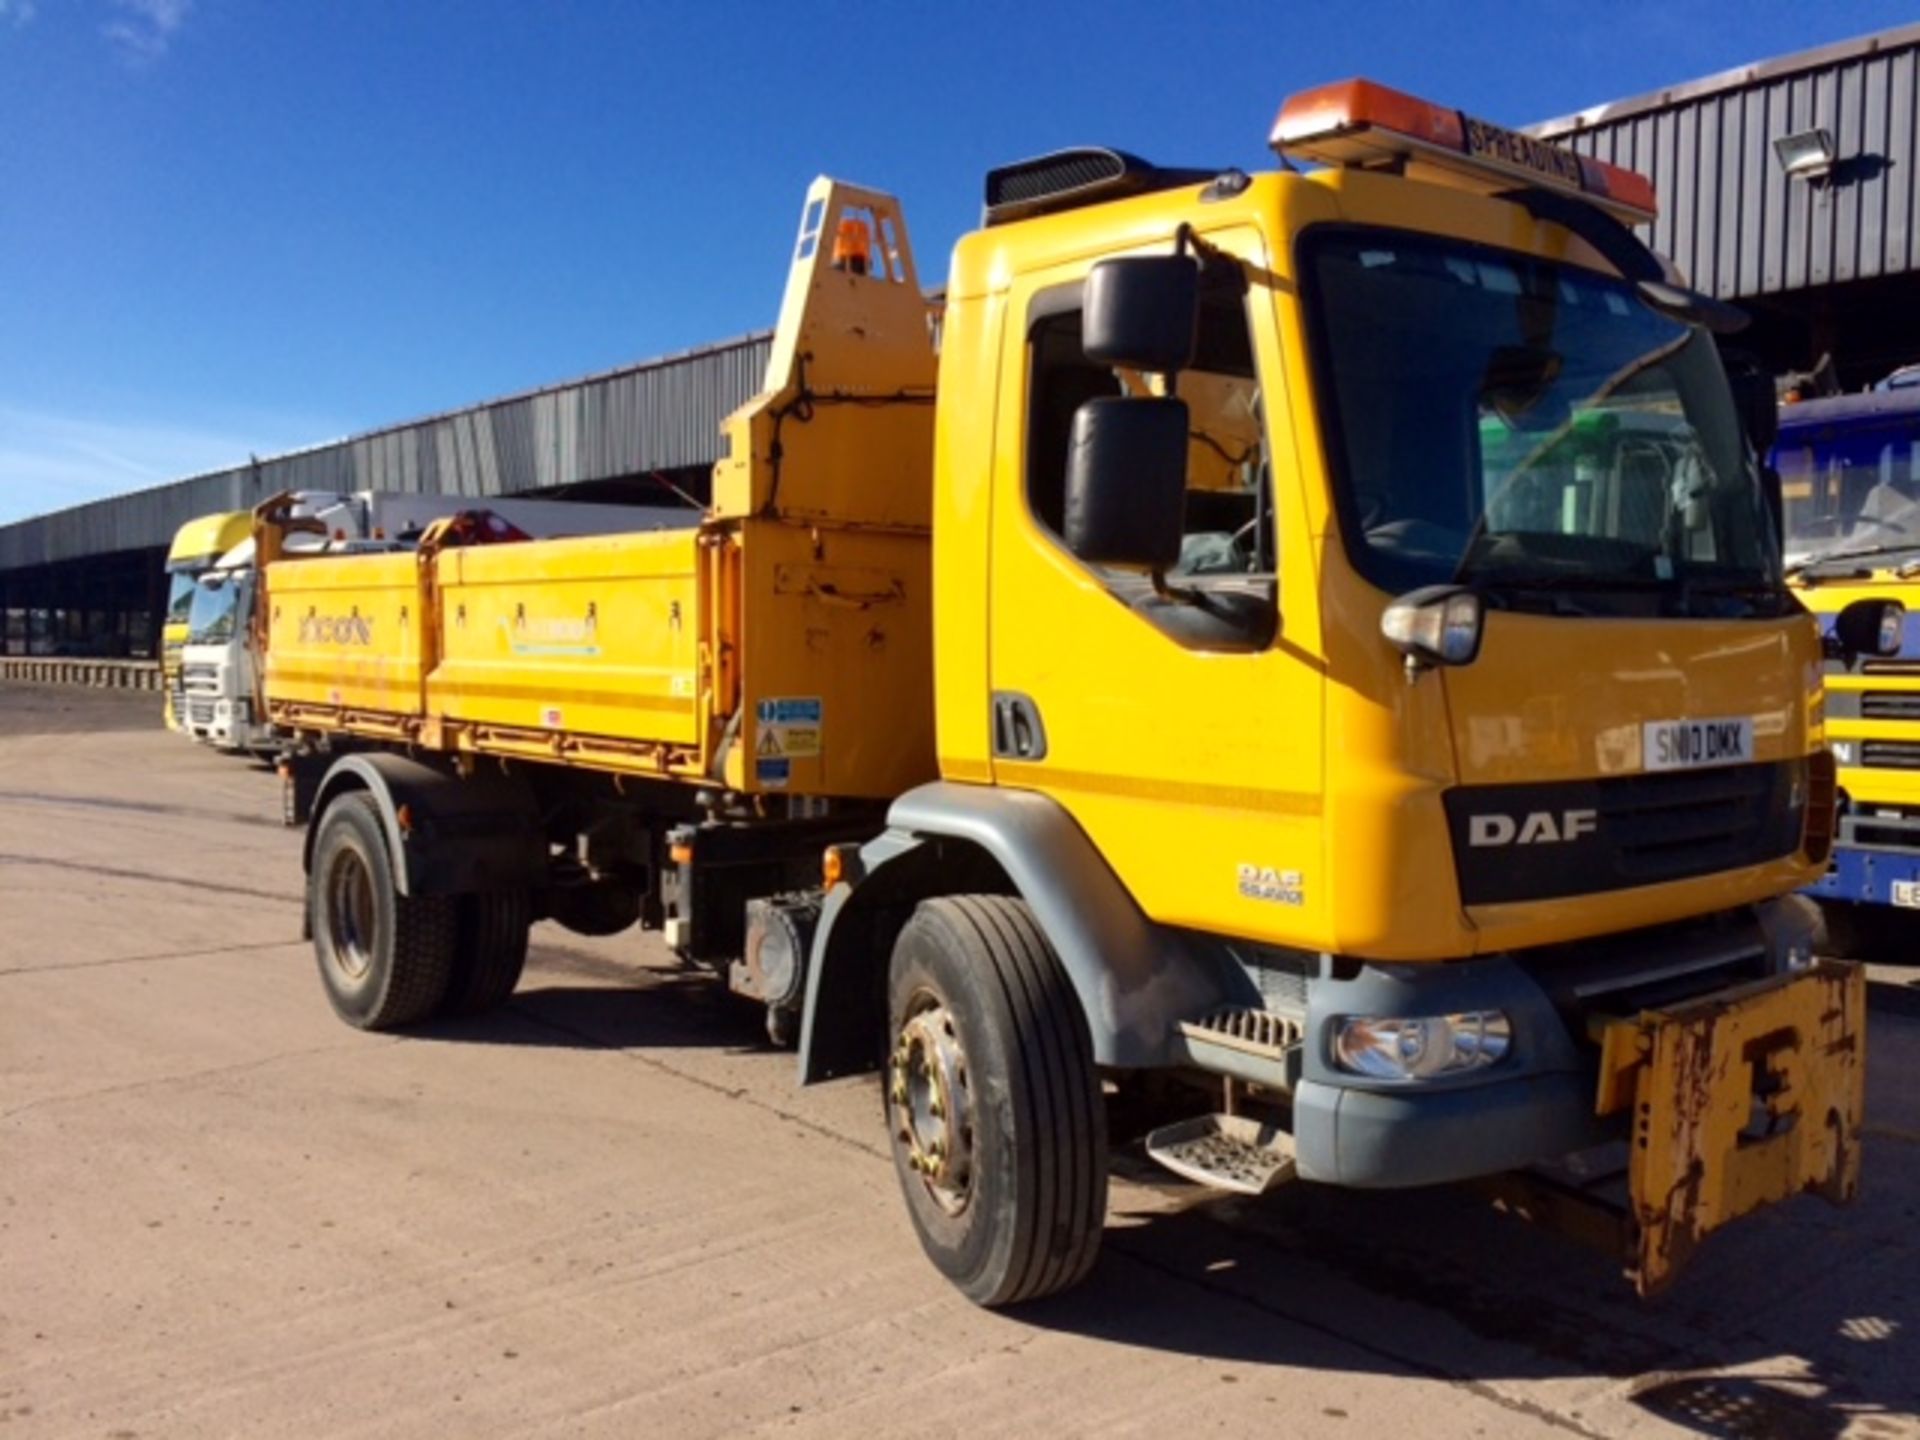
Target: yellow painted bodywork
pixel 347 636
pixel 1738 1100
pixel 197 546
pixel 782 647
pixel 1875 786
pixel 525 644
pixel 1316 756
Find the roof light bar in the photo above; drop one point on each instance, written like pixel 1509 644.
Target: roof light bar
pixel 1360 122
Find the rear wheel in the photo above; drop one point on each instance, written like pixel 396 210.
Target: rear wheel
pixel 993 1105
pixel 384 957
pixel 489 952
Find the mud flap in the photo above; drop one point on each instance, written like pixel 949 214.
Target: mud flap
pixel 1738 1100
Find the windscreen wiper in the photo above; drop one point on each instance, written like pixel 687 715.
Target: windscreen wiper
pixel 1812 564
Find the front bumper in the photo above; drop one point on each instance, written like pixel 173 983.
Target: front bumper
pixel 1871 875
pixel 1736 1079
pixel 225 724
pixel 1540 1103
pixel 1384 1139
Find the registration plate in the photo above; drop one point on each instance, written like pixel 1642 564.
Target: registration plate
pixel 1906 894
pixel 1696 744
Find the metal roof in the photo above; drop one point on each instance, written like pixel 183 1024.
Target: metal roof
pixel 1729 216
pixel 659 414
pixel 1898 404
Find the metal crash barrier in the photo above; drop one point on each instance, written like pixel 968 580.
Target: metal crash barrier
pixel 93 674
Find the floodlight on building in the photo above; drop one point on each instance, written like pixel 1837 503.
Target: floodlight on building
pixel 1807 154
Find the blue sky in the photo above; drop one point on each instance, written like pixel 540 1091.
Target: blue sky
pixel 233 226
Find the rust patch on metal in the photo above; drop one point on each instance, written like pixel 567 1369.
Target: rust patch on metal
pixel 1739 1100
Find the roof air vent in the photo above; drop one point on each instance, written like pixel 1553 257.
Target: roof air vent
pixel 1070 178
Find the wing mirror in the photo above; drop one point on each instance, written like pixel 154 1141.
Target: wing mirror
pixel 1141 312
pixel 1868 627
pixel 1127 483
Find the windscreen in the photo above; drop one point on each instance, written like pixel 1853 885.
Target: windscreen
pixel 219 608
pixel 1852 488
pixel 180 590
pixel 1526 427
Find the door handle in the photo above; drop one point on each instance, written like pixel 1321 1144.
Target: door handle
pixel 1017 731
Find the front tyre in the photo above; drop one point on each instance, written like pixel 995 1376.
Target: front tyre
pixel 384 957
pixel 994 1109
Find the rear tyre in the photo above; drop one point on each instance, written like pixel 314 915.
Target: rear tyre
pixel 490 951
pixel 993 1105
pixel 384 957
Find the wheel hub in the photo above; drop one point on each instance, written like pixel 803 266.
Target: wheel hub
pixel 929 1103
pixel 350 915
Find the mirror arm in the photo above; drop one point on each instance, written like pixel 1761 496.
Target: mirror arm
pixel 1173 595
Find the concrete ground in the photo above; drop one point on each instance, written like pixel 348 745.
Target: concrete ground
pixel 608 1211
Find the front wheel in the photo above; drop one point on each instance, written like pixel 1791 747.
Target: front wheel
pixel 993 1106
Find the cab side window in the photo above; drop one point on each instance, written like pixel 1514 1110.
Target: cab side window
pixel 1228 530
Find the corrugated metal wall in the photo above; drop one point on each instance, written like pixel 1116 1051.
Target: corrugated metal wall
pixel 656 416
pixel 1729 217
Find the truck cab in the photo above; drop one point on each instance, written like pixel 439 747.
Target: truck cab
pixel 1850 472
pixel 197 548
pixel 216 670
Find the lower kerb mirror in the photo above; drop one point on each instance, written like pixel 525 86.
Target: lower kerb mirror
pixel 1127 483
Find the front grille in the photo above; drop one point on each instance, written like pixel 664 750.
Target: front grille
pixel 200 677
pixel 179 696
pixel 1890 754
pixel 1890 705
pixel 199 710
pixel 1583 837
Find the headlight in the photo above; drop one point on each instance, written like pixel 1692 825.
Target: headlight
pixel 1391 1047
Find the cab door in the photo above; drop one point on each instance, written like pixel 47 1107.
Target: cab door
pixel 1182 730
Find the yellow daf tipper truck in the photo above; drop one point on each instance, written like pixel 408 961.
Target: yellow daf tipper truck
pixel 196 549
pixel 1236 644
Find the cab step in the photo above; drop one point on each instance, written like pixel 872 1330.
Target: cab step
pixel 1227 1152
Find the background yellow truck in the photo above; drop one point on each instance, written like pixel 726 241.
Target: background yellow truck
pixel 1143 671
pixel 197 548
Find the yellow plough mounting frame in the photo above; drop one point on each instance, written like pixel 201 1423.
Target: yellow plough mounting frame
pixel 1738 1099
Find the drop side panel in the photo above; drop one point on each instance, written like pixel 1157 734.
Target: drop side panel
pixel 347 633
pixel 596 636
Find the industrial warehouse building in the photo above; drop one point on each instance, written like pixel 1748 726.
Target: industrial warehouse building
pixel 1787 187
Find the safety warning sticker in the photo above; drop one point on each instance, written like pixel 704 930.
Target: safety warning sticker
pixel 787 726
